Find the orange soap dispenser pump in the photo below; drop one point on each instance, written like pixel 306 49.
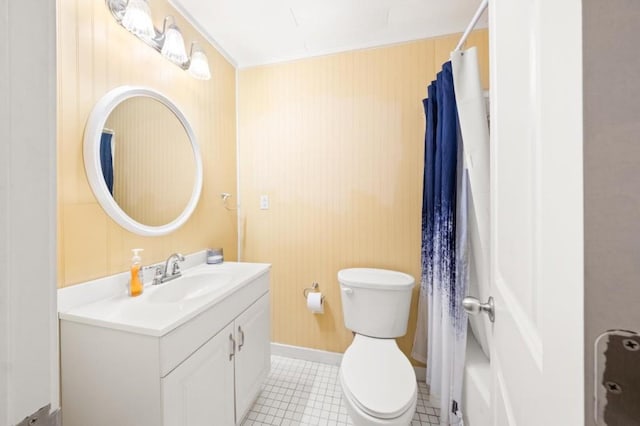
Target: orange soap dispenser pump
pixel 135 283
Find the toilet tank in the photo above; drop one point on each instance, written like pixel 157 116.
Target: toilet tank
pixel 376 302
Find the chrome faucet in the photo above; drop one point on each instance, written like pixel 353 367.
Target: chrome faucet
pixel 175 269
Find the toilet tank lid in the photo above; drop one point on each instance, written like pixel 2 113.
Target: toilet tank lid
pixel 382 279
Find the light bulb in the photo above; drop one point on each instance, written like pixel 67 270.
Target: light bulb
pixel 137 19
pixel 173 45
pixel 199 67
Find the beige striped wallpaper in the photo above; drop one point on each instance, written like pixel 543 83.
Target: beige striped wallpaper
pixel 154 166
pixel 334 141
pixel 94 56
pixel 336 144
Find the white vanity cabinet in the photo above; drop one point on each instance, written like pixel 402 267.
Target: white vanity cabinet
pixel 201 390
pixel 206 371
pixel 253 354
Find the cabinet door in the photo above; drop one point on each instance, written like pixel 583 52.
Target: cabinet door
pixel 199 392
pixel 253 356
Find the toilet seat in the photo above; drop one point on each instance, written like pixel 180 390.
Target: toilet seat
pixel 378 378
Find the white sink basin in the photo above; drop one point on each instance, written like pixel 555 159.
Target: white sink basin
pixel 161 308
pixel 188 287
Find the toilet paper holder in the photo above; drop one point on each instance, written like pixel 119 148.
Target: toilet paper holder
pixel 314 287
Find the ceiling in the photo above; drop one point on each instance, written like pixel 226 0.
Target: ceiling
pixel 256 32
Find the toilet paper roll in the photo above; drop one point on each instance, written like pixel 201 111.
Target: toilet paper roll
pixel 315 302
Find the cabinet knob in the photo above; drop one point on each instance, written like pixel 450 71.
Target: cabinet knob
pixel 232 341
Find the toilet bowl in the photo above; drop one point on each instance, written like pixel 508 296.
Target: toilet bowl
pixel 377 380
pixel 378 383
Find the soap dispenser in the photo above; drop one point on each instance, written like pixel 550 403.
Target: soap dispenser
pixel 135 283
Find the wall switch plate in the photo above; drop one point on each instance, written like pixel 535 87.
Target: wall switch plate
pixel 264 202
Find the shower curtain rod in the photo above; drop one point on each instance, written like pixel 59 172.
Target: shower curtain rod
pixel 472 24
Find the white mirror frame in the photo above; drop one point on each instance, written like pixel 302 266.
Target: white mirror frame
pixel 93 167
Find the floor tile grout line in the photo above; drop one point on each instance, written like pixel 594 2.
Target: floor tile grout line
pixel 322 402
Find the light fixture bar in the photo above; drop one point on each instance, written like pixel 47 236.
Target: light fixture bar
pixel 135 17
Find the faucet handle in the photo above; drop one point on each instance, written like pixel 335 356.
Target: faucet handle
pixel 175 268
pixel 157 275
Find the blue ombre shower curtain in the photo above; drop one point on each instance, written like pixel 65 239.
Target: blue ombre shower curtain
pixel 442 324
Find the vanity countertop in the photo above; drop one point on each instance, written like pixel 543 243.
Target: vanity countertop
pixel 161 308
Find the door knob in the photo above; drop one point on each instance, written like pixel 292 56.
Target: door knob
pixel 473 306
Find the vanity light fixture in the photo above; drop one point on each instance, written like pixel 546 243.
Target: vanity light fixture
pixel 135 16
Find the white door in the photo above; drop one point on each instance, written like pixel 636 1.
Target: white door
pixel 28 304
pixel 199 392
pixel 536 212
pixel 253 354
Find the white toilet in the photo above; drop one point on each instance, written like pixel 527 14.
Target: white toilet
pixel 378 382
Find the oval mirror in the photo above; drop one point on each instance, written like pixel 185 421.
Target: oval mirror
pixel 142 160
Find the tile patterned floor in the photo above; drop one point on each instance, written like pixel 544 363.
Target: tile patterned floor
pixel 300 392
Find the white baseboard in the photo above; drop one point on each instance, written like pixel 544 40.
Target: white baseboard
pixel 325 357
pixel 307 354
pixel 421 373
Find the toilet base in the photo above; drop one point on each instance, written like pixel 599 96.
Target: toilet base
pixel 360 418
